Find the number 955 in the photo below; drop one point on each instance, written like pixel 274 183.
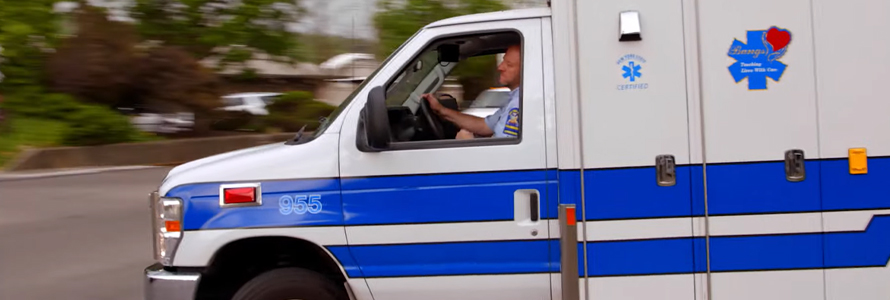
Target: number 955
pixel 299 204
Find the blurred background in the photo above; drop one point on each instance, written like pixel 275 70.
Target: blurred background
pixel 88 73
pixel 148 84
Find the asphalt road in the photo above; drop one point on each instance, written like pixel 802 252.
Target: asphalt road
pixel 76 237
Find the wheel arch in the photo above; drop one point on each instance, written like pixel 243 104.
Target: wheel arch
pixel 239 260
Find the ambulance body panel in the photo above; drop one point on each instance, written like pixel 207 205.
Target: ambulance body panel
pixel 734 150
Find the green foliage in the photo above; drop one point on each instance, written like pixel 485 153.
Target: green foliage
pixel 103 64
pixel 32 102
pixel 203 26
pixel 28 29
pixel 476 74
pixel 96 125
pixel 233 120
pixel 399 20
pixel 82 124
pixel 18 133
pixel 295 109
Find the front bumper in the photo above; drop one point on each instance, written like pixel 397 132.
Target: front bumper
pixel 166 285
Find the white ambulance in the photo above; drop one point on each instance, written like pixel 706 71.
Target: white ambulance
pixel 686 149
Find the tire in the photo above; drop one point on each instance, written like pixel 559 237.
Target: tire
pixel 290 283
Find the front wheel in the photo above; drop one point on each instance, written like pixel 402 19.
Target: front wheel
pixel 290 284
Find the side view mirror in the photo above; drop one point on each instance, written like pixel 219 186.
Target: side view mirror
pixel 373 134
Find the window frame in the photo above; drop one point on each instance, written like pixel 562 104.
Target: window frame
pixel 454 143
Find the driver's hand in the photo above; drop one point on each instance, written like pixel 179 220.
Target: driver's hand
pixel 434 103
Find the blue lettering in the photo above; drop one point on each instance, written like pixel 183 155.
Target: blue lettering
pixel 636 86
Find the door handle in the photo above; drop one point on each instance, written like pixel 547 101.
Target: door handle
pixel 794 165
pixel 526 207
pixel 665 170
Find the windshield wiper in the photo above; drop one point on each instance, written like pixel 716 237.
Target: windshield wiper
pixel 298 136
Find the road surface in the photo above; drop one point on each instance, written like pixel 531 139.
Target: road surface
pixel 76 237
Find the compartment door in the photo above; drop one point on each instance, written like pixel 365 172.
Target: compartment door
pixel 638 208
pixel 761 149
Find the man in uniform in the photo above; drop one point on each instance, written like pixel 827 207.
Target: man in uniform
pixel 505 121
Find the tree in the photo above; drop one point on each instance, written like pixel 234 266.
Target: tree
pixel 97 63
pixel 106 63
pixel 399 20
pixel 28 30
pixel 169 78
pixel 202 27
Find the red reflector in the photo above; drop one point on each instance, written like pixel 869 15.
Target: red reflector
pixel 240 195
pixel 570 216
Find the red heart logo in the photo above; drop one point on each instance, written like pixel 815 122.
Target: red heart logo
pixel 778 38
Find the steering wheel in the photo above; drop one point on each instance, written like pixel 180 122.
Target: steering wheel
pixel 433 120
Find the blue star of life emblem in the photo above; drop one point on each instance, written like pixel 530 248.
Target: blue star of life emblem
pixel 759 58
pixel 631 71
pixel 631 64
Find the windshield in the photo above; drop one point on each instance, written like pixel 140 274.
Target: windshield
pixel 409 80
pixel 336 113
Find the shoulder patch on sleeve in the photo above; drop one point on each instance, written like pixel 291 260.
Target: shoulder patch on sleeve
pixel 511 127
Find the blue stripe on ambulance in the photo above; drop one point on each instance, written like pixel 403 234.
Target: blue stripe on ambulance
pixel 468 197
pixel 870 248
pixel 611 194
pixel 201 206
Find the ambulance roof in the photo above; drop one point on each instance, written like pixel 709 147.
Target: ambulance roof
pixel 512 14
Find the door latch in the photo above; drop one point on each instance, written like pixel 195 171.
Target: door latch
pixel 665 170
pixel 794 165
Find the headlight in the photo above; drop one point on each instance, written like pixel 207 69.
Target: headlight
pixel 166 227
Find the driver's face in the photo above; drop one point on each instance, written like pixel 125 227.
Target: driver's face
pixel 510 68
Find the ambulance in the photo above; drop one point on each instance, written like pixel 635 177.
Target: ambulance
pixel 667 149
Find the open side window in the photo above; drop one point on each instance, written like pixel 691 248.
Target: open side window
pixel 395 116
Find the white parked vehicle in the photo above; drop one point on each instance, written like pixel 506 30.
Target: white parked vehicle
pixel 158 122
pixel 674 150
pixel 488 102
pixel 253 103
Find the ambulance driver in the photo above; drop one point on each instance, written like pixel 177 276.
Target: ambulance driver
pixel 505 121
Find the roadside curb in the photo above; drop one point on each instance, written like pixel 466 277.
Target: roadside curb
pixel 14 176
pixel 157 153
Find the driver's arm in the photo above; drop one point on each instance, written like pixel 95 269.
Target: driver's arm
pixel 470 123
